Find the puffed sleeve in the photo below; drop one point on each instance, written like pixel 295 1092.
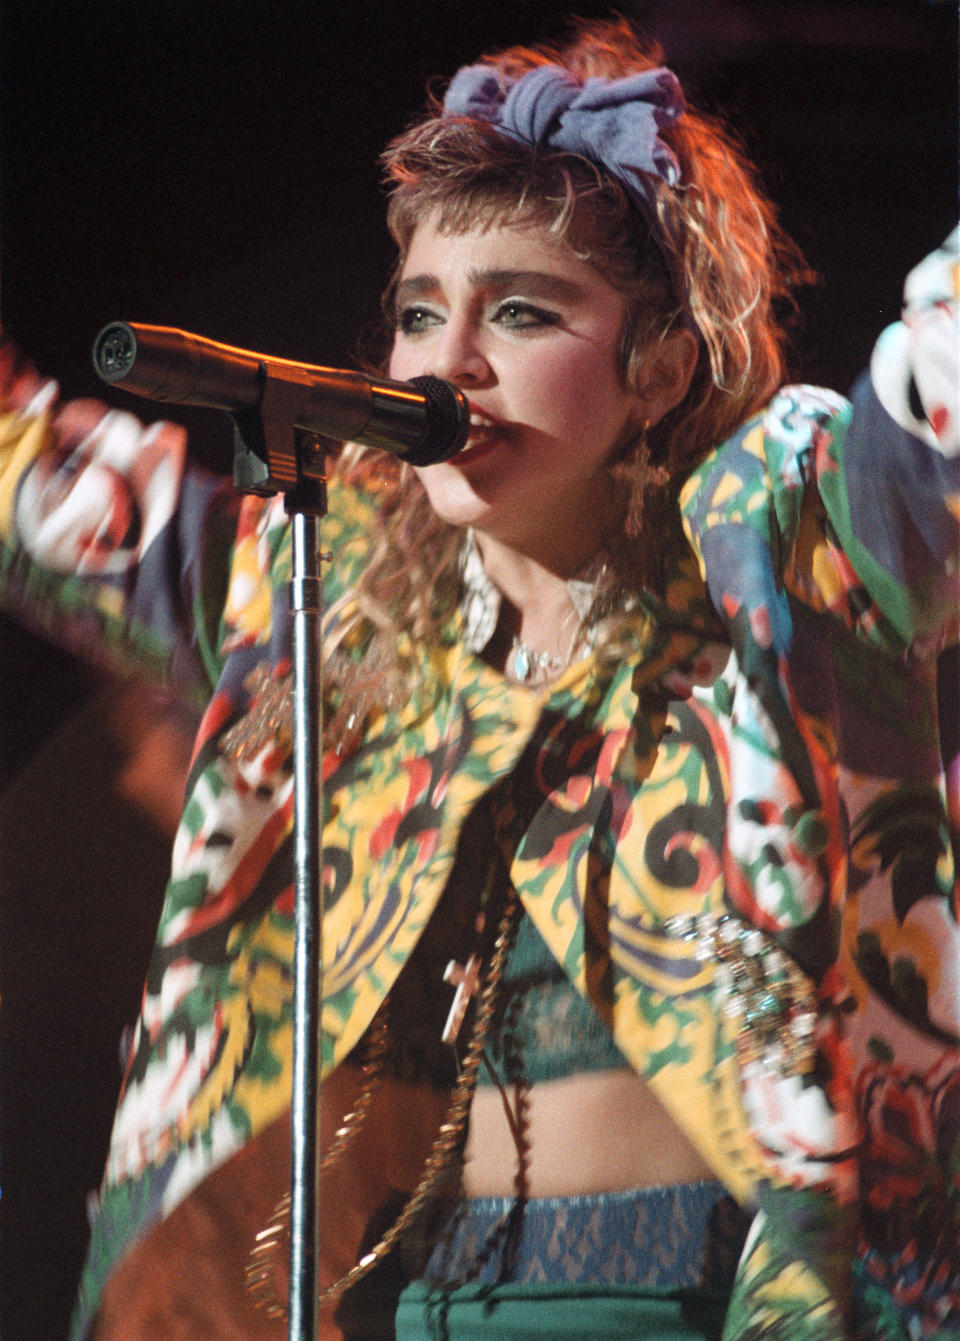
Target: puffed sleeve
pixel 109 542
pixel 891 483
pixel 851 507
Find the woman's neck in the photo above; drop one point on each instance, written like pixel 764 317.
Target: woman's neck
pixel 537 610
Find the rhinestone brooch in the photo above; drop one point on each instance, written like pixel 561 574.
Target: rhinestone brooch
pixel 759 988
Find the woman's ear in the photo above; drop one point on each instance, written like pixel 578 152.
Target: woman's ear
pixel 665 374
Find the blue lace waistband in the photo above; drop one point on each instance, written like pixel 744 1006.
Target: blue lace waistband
pixel 689 1234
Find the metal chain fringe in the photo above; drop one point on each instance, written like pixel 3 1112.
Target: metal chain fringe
pixel 261 1270
pixel 260 1276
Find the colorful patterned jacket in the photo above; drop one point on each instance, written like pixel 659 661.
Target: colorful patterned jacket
pixel 739 841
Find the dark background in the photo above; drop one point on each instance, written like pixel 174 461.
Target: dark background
pixel 213 166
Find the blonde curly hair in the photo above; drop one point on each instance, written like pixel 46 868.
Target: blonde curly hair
pixel 716 260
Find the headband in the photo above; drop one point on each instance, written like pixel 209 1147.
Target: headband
pixel 613 122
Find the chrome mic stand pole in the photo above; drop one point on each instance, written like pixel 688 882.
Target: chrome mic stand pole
pixel 263 464
pixel 307 606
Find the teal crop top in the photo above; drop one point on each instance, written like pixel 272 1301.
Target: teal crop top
pixel 544 1028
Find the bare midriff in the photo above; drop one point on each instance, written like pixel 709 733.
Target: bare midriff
pixel 600 1131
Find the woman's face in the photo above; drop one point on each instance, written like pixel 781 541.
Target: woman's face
pixel 531 334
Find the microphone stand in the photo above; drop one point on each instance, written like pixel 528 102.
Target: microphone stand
pixel 264 464
pixel 269 402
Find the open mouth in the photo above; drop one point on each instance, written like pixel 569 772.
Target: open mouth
pixel 484 435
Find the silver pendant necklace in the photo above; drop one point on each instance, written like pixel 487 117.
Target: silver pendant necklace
pixel 529 667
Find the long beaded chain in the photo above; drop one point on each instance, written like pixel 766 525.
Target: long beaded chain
pixel 261 1272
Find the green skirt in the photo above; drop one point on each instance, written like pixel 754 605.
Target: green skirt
pixel 559 1312
pixel 653 1263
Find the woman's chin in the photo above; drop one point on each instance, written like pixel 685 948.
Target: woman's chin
pixel 458 498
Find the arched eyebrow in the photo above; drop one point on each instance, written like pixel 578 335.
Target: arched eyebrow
pixel 537 283
pixel 417 286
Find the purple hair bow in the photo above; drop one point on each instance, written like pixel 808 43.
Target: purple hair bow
pixel 614 122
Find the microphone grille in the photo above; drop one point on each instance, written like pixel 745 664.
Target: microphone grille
pixel 448 423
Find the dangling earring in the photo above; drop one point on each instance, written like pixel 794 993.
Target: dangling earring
pixel 634 473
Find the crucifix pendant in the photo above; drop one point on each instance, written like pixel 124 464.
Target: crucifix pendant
pixel 467 981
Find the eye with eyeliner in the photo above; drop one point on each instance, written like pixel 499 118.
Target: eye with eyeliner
pixel 519 314
pixel 416 318
pixel 515 314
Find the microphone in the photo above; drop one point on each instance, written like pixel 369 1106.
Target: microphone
pixel 422 421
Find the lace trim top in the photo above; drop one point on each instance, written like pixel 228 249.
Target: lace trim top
pixel 544 1029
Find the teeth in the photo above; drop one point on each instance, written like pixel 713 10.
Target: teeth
pixel 480 421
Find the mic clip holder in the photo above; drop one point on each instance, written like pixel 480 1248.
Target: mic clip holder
pixel 271 455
